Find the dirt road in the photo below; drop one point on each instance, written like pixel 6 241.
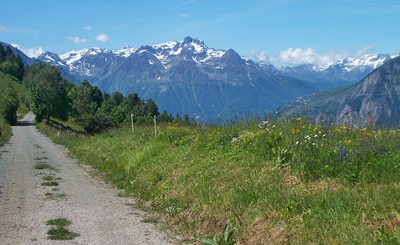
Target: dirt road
pixel 98 214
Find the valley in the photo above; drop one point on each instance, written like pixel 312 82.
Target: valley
pixel 213 85
pixel 199 122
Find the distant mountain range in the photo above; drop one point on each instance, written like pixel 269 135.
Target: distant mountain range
pixel 213 84
pixel 185 77
pixel 374 100
pixel 343 72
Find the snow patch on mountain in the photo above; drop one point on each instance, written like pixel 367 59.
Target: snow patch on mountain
pixel 73 56
pixel 167 45
pixel 125 52
pixel 351 63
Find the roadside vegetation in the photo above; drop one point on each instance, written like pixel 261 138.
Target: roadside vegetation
pixel 84 108
pixel 270 182
pixel 12 93
pixel 59 230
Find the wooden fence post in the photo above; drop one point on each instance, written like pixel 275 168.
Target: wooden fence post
pixel 132 122
pixel 155 126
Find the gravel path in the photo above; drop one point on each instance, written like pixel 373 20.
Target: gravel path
pixel 96 211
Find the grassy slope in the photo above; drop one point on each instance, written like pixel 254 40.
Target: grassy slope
pixel 290 182
pixel 7 81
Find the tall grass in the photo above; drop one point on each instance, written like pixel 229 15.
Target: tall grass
pixel 272 182
pixel 5 129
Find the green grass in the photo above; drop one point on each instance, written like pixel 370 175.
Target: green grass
pixel 40 166
pixel 50 183
pixel 48 178
pixel 6 132
pixel 59 231
pixel 7 81
pixel 70 124
pixel 150 219
pixel 277 182
pixel 59 222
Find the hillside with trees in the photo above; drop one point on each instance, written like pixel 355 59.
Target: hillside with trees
pixel 12 93
pixel 51 96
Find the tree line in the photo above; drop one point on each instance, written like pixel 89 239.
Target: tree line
pixel 11 63
pixel 53 96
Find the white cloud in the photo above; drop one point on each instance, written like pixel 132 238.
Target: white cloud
pixel 260 56
pixel 184 15
pixel 299 56
pixel 76 39
pixel 367 49
pixel 88 28
pixel 2 27
pixel 102 38
pixel 31 52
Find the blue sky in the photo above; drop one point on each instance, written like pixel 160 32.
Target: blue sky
pixel 282 31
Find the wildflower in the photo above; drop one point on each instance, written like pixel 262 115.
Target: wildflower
pixel 265 122
pixel 315 136
pixel 297 142
pixel 342 153
pixel 314 143
pixel 273 126
pixel 235 139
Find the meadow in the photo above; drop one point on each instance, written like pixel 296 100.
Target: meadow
pixel 273 182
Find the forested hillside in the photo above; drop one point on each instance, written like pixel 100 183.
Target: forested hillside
pixel 12 93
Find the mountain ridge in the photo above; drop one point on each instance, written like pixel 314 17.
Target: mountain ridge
pixel 375 100
pixel 184 77
pixel 189 77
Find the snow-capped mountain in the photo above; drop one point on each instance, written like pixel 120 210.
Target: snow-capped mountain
pixel 189 77
pixel 376 99
pixel 339 73
pixel 52 59
pixel 366 61
pixel 184 77
pixel 125 52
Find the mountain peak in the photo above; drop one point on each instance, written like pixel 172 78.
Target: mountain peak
pixel 189 39
pixel 232 54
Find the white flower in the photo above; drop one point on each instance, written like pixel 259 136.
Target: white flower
pixel 234 140
pixel 297 142
pixel 315 136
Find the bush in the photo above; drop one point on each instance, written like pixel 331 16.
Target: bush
pixel 10 106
